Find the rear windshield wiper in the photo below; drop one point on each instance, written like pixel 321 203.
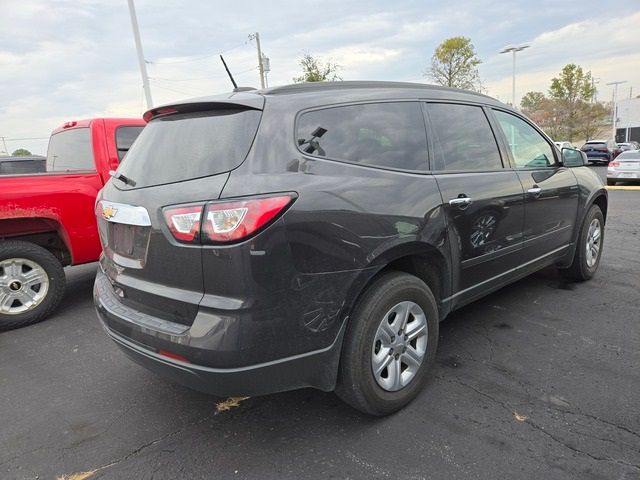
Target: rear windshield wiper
pixel 122 178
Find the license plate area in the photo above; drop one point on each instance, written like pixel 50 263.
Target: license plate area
pixel 127 244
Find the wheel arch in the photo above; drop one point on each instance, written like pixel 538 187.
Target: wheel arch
pixel 427 262
pixel 47 233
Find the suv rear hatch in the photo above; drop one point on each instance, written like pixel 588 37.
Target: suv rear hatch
pixel 182 157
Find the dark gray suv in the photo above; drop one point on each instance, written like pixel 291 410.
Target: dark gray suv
pixel 315 235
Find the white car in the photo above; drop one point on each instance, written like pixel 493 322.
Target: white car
pixel 625 167
pixel 564 144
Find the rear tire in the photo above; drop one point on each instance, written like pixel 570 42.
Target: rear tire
pixel 586 258
pixel 32 283
pixel 415 347
pixel 611 182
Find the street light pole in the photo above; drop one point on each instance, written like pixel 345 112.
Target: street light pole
pixel 614 106
pixel 143 66
pixel 513 49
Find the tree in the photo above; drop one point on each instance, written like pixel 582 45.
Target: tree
pixel 590 118
pixel 572 90
pixel 21 152
pixel 532 101
pixel 314 71
pixel 455 64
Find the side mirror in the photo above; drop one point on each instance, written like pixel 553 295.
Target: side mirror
pixel 572 158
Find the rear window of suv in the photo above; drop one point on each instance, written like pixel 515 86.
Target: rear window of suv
pixel 185 146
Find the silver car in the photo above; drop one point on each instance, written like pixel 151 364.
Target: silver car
pixel 625 167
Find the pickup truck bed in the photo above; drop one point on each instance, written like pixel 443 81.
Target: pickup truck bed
pixel 47 220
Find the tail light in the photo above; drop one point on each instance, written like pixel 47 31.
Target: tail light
pixel 224 222
pixel 184 222
pixel 614 164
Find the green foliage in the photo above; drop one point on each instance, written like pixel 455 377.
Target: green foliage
pixel 314 71
pixel 571 91
pixel 21 152
pixel 568 112
pixel 573 85
pixel 455 64
pixel 532 101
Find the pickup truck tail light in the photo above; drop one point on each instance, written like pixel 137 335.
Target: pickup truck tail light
pixel 226 221
pixel 614 164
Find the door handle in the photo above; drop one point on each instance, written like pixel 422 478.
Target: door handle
pixel 535 191
pixel 460 202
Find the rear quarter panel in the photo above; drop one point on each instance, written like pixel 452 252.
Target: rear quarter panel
pixel 65 200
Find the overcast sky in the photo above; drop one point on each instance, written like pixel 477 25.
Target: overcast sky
pixel 64 60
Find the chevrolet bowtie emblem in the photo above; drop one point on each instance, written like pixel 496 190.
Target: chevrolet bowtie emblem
pixel 109 212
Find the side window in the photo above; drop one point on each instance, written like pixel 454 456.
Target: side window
pixel 377 134
pixel 528 147
pixel 125 136
pixel 463 139
pixel 70 150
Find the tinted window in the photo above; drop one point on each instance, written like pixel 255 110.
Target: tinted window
pixel 124 138
pixel 70 150
pixel 463 139
pixel 528 147
pixel 20 167
pixel 190 145
pixel 378 134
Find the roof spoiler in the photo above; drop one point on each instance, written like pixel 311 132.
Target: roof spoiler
pixel 233 101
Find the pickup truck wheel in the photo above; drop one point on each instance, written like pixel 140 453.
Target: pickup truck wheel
pixel 589 248
pixel 390 345
pixel 611 182
pixel 32 283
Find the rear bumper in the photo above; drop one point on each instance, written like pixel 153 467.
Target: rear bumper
pixel 142 337
pixel 598 156
pixel 308 370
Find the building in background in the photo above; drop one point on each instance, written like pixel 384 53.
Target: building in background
pixel 628 120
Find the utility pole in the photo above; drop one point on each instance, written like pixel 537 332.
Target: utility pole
pixel 594 97
pixel 256 37
pixel 514 49
pixel 6 152
pixel 143 66
pixel 615 107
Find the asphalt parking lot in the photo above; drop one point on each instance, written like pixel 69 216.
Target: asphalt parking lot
pixel 539 380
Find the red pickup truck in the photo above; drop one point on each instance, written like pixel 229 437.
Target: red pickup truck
pixel 47 220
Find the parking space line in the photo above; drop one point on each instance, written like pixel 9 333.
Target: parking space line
pixel 624 187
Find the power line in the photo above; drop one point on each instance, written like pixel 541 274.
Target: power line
pixel 195 58
pixel 24 138
pixel 215 75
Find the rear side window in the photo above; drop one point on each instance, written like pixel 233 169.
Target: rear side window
pixel 21 167
pixel 70 150
pixel 190 145
pixel 125 136
pixel 463 139
pixel 388 135
pixel 528 147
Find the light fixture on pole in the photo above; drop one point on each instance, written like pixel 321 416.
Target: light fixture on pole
pixel 614 106
pixel 513 49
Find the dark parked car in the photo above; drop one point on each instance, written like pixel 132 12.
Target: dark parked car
pixel 23 164
pixel 600 151
pixel 314 235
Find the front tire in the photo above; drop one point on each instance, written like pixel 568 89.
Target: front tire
pixel 32 283
pixel 586 258
pixel 389 346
